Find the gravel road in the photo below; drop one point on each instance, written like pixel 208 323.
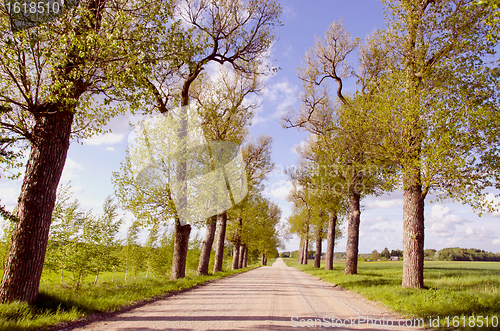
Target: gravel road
pixel 266 298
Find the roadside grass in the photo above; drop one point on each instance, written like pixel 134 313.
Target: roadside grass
pixel 460 294
pixel 57 304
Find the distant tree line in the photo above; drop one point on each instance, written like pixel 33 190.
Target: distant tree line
pixel 465 254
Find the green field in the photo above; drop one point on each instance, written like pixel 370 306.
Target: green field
pixel 461 294
pixel 65 303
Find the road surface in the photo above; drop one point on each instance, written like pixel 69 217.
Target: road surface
pixel 267 298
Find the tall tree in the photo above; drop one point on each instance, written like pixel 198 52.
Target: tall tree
pixel 225 114
pixel 48 76
pixel 343 129
pixel 234 32
pixel 256 156
pixel 437 104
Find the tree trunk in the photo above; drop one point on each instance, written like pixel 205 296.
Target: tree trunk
pixel 221 237
pixel 182 232
pixel 180 250
pixel 299 252
pixel 50 144
pixel 413 237
pixel 236 246
pixel 242 253
pixel 206 247
pixel 236 255
pixel 263 259
pixel 330 240
pixel 304 249
pixel 351 263
pixel 245 256
pixel 317 254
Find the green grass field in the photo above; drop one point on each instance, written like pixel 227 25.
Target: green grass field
pixel 58 303
pixel 461 294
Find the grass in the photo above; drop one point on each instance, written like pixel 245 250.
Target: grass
pixel 57 304
pixel 456 292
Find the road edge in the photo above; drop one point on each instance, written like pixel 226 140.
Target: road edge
pixel 101 316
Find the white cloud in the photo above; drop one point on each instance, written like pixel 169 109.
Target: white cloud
pixel 279 189
pixel 443 230
pixel 299 145
pixel 444 224
pixel 386 204
pixel 9 196
pixel 470 237
pixel 69 170
pixel 105 139
pixel 278 96
pixel 438 211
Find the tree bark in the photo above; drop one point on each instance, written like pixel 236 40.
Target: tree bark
pixel 242 253
pixel 245 256
pixel 263 259
pixel 221 237
pixel 206 247
pixel 304 250
pixel 236 245
pixel 330 240
pixel 299 252
pixel 50 144
pixel 182 232
pixel 181 243
pixel 317 254
pixel 351 263
pixel 413 236
pixel 236 255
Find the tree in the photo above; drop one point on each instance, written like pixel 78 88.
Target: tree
pixel 300 220
pixel 80 242
pixel 49 75
pixel 5 242
pixel 343 130
pixel 225 116
pixel 151 246
pixel 436 107
pixel 132 253
pixel 256 156
pixel 397 252
pixel 375 255
pixel 67 222
pixel 429 253
pixel 236 32
pixel 322 184
pixel 385 253
pixel 99 235
pixel 261 233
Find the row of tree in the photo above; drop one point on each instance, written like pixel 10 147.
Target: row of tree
pixel 140 56
pixel 423 120
pixel 84 244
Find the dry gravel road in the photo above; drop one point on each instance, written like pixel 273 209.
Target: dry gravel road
pixel 266 298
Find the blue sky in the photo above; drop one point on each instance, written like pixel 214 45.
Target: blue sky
pixel 90 164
